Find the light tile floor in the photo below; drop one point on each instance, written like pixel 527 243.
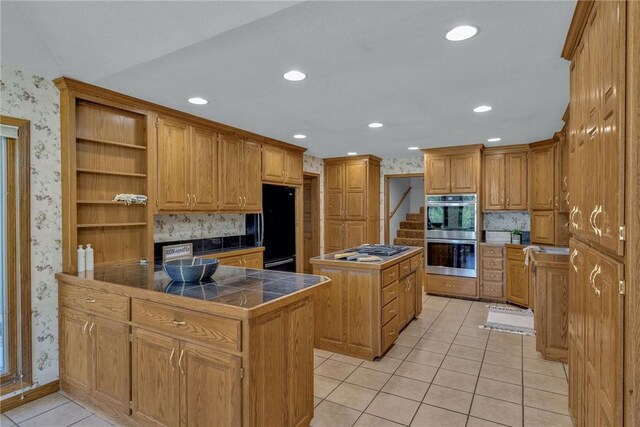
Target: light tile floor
pixel 443 371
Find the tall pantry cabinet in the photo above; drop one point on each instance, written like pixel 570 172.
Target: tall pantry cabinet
pixel 352 201
pixel 603 46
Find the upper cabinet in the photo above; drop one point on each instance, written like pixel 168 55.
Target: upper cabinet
pixel 240 182
pixel 281 165
pixel 454 173
pixel 505 178
pixel 543 176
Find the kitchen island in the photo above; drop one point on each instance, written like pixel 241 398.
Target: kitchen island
pixel 144 350
pixel 366 305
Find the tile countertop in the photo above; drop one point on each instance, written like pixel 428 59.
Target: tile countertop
pixel 238 287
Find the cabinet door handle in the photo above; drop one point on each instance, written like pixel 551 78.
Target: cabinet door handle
pixel 194 200
pixel 180 361
pixel 84 328
pixel 173 350
pixel 592 278
pixel 593 227
pixel 239 201
pixel 178 322
pixel 91 328
pixel 188 200
pixel 572 257
pixel 89 301
pixel 595 218
pixel 245 202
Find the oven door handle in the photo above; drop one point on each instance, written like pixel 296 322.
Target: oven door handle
pixel 458 241
pixel 454 204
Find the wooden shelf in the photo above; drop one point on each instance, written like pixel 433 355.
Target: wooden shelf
pixel 116 224
pixel 106 202
pixel 117 144
pixel 99 172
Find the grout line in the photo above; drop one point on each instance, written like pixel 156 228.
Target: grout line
pixel 43 412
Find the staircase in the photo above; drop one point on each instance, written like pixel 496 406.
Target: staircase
pixel 411 231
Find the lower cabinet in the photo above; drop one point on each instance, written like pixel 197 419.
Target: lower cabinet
pixel 168 374
pixel 551 286
pixel 517 277
pixel 248 259
pixel 543 228
pixel 407 299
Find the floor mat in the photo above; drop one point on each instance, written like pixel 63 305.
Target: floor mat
pixel 510 319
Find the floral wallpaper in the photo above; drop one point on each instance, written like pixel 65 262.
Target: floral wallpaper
pixel 168 228
pixel 507 220
pixel 36 99
pixel 316 165
pixel 396 165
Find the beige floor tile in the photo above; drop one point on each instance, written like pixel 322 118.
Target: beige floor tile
pixel 407 341
pixel 425 357
pixel 545 400
pixel 458 364
pixel 546 383
pixel 347 359
pixel 322 353
pixel 384 364
pixel 537 418
pixel 398 352
pixel 501 373
pixel 416 371
pixel 447 337
pixel 414 330
pixel 473 332
pixel 448 398
pixel 317 361
pixel 329 414
pixel 477 422
pixel 37 407
pixel 444 327
pixel 469 353
pixel 501 359
pixel 322 386
pixel 334 369
pixel 456 380
pixel 544 367
pixel 352 396
pixel 367 420
pixel 430 416
pixel 93 421
pixel 61 416
pixel 499 390
pixel 531 353
pixel 316 401
pixel 368 378
pixel 433 346
pixel 406 387
pixel 5 422
pixel 495 410
pixel 394 408
pixel 505 338
pixel 513 349
pixel 470 341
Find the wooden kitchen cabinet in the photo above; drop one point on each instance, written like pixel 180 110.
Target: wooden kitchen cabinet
pixel 491 272
pixel 75 349
pixel 452 170
pixel 240 185
pixel 494 181
pixel 505 183
pixel 543 227
pixel 517 277
pixel 407 299
pixel 516 184
pixel 248 258
pixel 542 161
pixel 281 165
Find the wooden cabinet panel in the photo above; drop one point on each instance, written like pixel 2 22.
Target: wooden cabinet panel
pixel 542 177
pixel 111 361
pixel 390 292
pixel 94 301
pixel 438 171
pixel 329 310
pixel 299 372
pixel 451 285
pixel 273 164
pixel 516 184
pixel 464 171
pixel 390 333
pixel 408 310
pixel 75 351
pixel 494 182
pixel 210 387
pixel 293 167
pixel 252 183
pixel 355 206
pixel 204 169
pixel 492 290
pixel 155 391
pixel 253 260
pixel 359 300
pixel 355 233
pixel 518 282
pixel 334 181
pixel 334 236
pixel 551 312
pixel 230 187
pixel 334 206
pixel 174 165
pixel 390 275
pixel 355 175
pixel 543 227
pixel 562 171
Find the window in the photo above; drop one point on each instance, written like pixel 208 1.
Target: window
pixel 15 249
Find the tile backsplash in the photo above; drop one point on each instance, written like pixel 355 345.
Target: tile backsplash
pixel 175 227
pixel 507 220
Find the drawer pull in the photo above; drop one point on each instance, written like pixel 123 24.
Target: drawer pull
pixel 391 311
pixel 89 301
pixel 178 322
pixel 391 333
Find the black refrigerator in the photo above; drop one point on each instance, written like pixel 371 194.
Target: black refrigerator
pixel 275 227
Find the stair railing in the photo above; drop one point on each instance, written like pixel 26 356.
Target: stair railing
pixel 404 196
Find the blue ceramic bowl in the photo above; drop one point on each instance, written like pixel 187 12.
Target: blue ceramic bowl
pixel 191 270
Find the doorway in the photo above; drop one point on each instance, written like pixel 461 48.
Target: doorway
pixel 311 222
pixel 404 209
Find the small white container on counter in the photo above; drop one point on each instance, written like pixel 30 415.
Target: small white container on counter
pixel 81 259
pixel 88 263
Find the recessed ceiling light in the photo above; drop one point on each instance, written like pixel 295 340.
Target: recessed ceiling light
pixel 375 125
pixel 352 153
pixel 494 139
pixel 482 109
pixel 294 75
pixel 198 101
pixel 463 32
pixel 299 136
pixel 414 148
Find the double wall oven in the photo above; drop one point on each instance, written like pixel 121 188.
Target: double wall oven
pixel 451 234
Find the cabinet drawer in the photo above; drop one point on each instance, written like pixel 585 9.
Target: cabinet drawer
pixel 491 251
pixel 389 275
pixel 445 285
pixel 389 311
pixel 515 253
pixel 492 289
pixel 415 262
pixel 204 328
pixel 389 293
pixel 405 268
pixel 97 302
pixel 389 333
pixel 492 275
pixel 492 264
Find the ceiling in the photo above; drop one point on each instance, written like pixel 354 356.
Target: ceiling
pixel 384 61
